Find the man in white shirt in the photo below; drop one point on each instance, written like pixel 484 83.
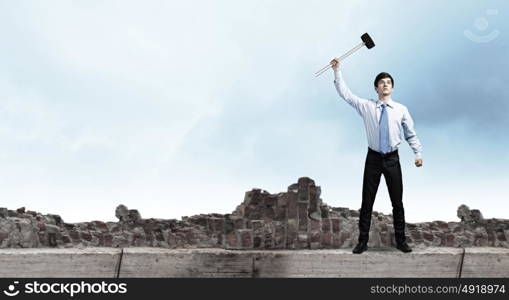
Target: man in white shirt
pixel 384 120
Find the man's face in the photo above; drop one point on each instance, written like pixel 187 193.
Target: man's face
pixel 384 87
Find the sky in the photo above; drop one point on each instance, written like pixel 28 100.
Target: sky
pixel 177 108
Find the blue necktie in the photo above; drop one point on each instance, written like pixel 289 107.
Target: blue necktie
pixel 384 130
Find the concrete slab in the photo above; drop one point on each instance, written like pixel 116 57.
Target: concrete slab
pixel 486 262
pixel 150 262
pixel 70 262
pixel 429 262
pixel 160 262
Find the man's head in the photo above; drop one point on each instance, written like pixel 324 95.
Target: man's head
pixel 384 84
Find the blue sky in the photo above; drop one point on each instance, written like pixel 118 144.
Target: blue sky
pixel 179 108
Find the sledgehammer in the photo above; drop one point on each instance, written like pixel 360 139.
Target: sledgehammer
pixel 366 40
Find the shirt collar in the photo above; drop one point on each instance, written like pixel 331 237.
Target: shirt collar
pixel 390 103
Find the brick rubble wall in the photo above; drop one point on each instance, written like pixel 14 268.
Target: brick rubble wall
pixel 295 219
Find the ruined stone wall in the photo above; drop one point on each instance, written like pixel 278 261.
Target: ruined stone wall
pixel 295 219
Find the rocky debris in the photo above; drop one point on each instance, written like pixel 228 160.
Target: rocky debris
pixel 295 219
pixel 125 215
pixel 466 215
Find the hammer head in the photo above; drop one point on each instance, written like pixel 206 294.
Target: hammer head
pixel 367 41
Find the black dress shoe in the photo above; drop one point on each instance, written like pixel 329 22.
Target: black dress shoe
pixel 361 247
pixel 404 247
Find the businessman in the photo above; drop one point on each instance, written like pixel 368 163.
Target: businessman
pixel 385 120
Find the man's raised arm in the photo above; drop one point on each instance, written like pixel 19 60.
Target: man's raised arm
pixel 343 90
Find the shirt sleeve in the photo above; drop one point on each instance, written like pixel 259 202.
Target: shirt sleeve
pixel 358 103
pixel 410 135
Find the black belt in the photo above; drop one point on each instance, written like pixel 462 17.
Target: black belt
pixel 382 154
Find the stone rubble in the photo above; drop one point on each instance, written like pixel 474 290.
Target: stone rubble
pixel 295 219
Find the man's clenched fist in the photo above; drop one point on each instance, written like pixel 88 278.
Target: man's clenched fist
pixel 335 65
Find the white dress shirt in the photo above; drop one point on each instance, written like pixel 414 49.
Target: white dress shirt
pixel 370 110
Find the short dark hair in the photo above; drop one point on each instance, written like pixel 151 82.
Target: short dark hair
pixel 382 76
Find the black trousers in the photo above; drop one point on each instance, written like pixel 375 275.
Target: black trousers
pixel 377 164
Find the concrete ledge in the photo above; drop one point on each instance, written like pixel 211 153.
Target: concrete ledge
pixel 71 262
pixel 161 262
pixel 486 262
pixel 429 262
